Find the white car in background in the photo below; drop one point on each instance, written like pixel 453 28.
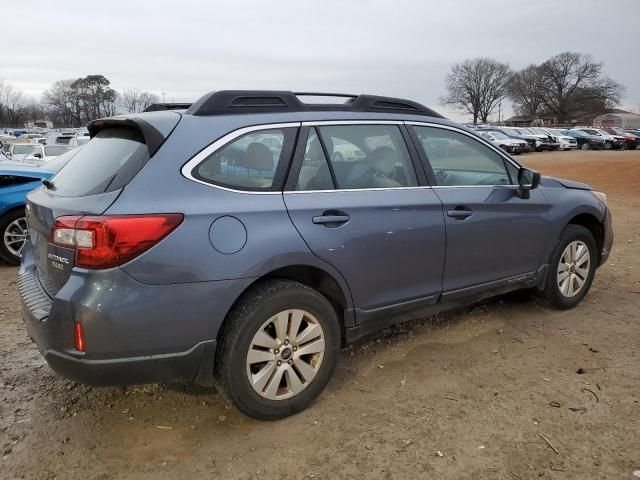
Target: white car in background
pixel 42 154
pixel 60 138
pixel 78 141
pixel 566 142
pixel 506 143
pixel 17 151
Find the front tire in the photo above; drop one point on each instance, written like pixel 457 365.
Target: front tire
pixel 14 234
pixel 571 269
pixel 585 146
pixel 277 350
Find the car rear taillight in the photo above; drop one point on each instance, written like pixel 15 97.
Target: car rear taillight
pixel 110 240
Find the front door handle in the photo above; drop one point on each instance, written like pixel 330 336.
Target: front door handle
pixel 459 213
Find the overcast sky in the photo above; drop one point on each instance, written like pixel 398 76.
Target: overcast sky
pixel 400 48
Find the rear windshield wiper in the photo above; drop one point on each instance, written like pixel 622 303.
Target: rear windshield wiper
pixel 48 184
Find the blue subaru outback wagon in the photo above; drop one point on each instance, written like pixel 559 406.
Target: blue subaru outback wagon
pixel 242 240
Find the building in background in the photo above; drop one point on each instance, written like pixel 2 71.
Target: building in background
pixel 620 119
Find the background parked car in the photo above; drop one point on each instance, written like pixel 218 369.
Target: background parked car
pixel 42 154
pixel 543 134
pixel 16 180
pixel 508 144
pixel 540 142
pixel 17 151
pixel 585 141
pixel 78 141
pixel 610 141
pixel 60 138
pixel 565 142
pixel 531 142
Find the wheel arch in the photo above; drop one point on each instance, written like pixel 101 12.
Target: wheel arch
pixel 330 285
pixel 594 225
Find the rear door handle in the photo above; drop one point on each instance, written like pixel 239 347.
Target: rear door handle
pixel 324 219
pixel 459 213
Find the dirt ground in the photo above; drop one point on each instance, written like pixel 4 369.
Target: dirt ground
pixel 491 392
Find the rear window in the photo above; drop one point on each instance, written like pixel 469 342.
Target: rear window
pixel 107 163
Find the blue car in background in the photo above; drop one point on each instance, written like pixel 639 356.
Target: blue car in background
pixel 16 180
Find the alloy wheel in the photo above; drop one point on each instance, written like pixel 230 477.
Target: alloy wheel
pixel 16 235
pixel 285 354
pixel 573 268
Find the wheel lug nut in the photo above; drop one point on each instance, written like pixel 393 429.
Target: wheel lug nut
pixel 286 342
pixel 290 361
pixel 276 351
pixel 295 349
pixel 279 363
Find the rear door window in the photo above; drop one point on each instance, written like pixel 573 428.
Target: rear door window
pixel 107 163
pixel 359 156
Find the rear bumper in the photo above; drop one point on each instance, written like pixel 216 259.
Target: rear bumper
pixel 183 366
pixel 134 333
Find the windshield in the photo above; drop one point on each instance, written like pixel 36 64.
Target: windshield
pixel 54 151
pixel 22 149
pixel 83 140
pixel 60 161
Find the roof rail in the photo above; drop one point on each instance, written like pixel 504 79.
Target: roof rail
pixel 157 107
pixel 226 102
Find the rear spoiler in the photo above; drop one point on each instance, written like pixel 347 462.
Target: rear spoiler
pixel 155 128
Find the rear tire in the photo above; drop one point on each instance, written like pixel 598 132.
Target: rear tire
pixel 13 231
pixel 585 146
pixel 571 269
pixel 259 365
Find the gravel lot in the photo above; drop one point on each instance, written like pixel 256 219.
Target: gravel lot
pixel 466 395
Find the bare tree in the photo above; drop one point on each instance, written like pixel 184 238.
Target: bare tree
pixel 525 90
pixel 134 100
pixel 65 106
pixel 476 86
pixel 77 101
pixel 12 105
pixel 570 81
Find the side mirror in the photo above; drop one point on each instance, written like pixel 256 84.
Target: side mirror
pixel 527 180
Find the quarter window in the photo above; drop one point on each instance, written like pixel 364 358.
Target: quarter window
pixel 360 156
pixel 255 161
pixel 458 159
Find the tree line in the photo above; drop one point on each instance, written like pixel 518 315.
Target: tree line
pixel 564 85
pixel 71 102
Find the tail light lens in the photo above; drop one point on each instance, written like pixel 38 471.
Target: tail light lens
pixel 111 240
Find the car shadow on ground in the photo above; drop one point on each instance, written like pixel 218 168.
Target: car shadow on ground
pixel 397 333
